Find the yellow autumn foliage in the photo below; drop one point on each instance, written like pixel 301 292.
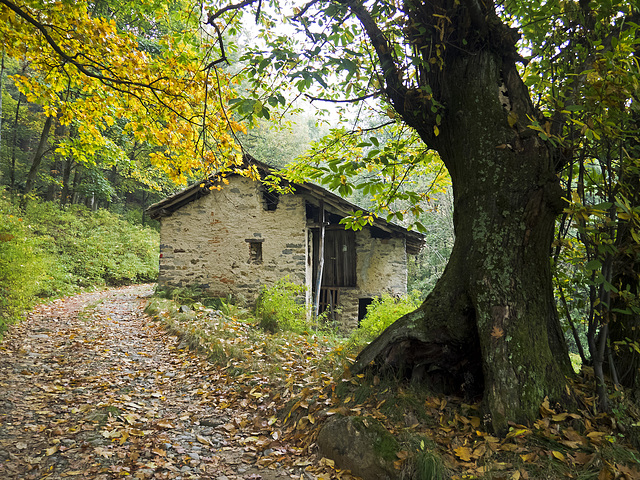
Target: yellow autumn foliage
pixel 85 71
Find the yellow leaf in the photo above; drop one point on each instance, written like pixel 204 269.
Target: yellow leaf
pixel 529 457
pixel 124 437
pixel 164 424
pixel 518 432
pixel 51 450
pixel 545 409
pixel 512 119
pixel 558 455
pixel 327 462
pixel 463 453
pixel 130 418
pixel 497 332
pixel 559 417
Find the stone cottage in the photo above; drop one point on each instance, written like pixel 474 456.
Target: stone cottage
pixel 235 240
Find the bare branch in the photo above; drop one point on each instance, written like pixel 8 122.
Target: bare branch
pixel 396 90
pixel 304 9
pixel 348 100
pixel 223 55
pixel 233 6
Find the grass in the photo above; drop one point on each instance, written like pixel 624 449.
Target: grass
pixel 48 251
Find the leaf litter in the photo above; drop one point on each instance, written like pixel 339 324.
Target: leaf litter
pixel 92 388
pixel 113 393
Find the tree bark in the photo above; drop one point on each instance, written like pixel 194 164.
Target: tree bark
pixel 37 159
pixel 490 325
pixel 1 89
pixel 14 146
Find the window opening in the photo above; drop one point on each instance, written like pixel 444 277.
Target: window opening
pixel 363 303
pixel 255 250
pixel 270 199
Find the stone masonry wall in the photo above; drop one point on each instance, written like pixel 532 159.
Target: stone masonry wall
pixel 205 242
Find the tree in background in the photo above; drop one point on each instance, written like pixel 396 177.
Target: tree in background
pixel 110 75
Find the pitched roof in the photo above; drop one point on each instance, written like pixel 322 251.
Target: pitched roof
pixel 164 208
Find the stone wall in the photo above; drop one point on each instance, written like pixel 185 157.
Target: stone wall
pixel 208 242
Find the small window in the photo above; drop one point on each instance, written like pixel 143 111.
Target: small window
pixel 270 199
pixel 255 250
pixel 363 303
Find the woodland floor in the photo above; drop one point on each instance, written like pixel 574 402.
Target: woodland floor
pixel 91 388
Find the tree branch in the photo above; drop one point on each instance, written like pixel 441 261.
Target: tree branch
pixel 223 55
pixel 392 75
pixel 349 100
pixel 233 6
pixel 304 9
pixel 109 81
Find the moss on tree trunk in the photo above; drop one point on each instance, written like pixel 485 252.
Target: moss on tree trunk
pixel 490 325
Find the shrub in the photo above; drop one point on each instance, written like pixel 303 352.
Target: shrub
pixel 22 264
pixel 282 307
pixel 97 248
pixel 49 251
pixel 383 311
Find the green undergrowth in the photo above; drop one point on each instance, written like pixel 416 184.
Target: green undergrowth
pixel 435 437
pixel 50 251
pixel 231 336
pixel 382 312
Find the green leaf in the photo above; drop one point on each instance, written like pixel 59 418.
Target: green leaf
pixel 593 265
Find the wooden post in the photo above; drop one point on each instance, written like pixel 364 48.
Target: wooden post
pixel 320 261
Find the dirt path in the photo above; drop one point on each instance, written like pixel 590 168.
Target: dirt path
pixel 91 388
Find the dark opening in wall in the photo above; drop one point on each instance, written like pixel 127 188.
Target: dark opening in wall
pixel 255 250
pixel 379 233
pixel 363 303
pixel 269 199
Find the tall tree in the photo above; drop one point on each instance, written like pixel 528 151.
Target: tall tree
pixel 451 70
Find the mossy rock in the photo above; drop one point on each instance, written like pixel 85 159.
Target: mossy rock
pixel 361 445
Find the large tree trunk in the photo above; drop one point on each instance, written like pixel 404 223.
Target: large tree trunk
pixel 490 325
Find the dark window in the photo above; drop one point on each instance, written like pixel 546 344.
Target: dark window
pixel 363 303
pixel 255 250
pixel 269 199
